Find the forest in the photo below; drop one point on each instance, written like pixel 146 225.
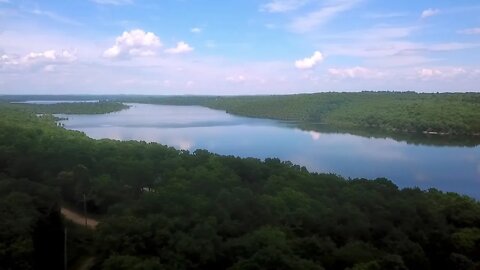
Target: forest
pixel 161 208
pixel 398 112
pixel 100 107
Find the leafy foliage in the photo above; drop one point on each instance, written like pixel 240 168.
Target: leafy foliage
pixel 408 112
pixel 100 107
pixel 168 209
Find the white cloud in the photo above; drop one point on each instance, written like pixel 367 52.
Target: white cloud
pixel 236 78
pixel 309 62
pixel 134 43
pixel 354 73
pixel 278 6
pixel 429 13
pixel 452 46
pixel 50 55
pixel 47 59
pixel 388 46
pixel 435 73
pixel 113 2
pixel 426 73
pixel 321 16
pixel 470 31
pixel 181 47
pixel 196 30
pixel 452 72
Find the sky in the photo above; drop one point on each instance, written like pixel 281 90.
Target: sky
pixel 238 47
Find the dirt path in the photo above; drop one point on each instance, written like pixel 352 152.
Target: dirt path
pixel 78 218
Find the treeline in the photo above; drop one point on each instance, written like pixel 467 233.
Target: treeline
pixel 100 107
pixel 401 112
pixel 167 209
pixel 454 114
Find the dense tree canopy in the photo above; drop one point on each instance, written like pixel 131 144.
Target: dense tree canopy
pixel 161 208
pixel 390 111
pixel 99 107
pixel 384 114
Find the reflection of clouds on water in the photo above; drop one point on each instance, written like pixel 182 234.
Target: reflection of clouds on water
pixel 378 150
pixel 315 135
pixel 163 136
pixel 364 148
pixel 189 128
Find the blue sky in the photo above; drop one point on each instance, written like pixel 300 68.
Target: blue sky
pixel 238 47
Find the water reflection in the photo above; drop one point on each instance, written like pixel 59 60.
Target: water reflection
pixel 411 138
pixel 449 168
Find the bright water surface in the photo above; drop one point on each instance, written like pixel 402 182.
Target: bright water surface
pixel 190 127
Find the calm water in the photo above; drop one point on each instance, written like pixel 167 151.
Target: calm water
pixel 446 168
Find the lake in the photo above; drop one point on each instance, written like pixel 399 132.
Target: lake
pixel 446 168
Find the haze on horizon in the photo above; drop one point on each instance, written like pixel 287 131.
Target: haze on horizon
pixel 237 47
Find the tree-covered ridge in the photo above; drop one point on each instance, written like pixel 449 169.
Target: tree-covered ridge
pixel 167 209
pixel 100 107
pixel 403 112
pixel 455 114
pixel 408 112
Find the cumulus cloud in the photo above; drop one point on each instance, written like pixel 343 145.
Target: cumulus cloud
pixel 51 55
pixel 429 13
pixel 435 73
pixel 354 73
pixel 470 31
pixel 47 59
pixel 309 62
pixel 181 47
pixel 134 43
pixel 426 73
